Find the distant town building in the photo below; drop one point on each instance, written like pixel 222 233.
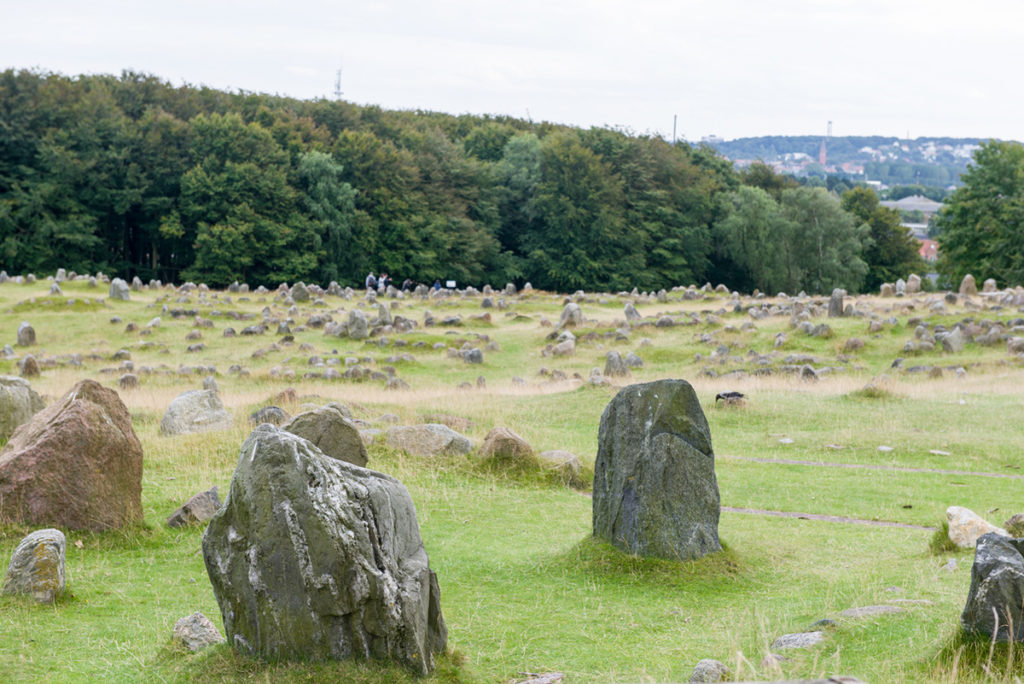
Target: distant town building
pixel 915 203
pixel 929 249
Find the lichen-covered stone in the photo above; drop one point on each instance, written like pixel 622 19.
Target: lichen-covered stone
pixel 18 403
pixel 314 558
pixel 996 596
pixel 655 491
pixel 332 432
pixel 196 632
pixel 195 411
pixel 37 566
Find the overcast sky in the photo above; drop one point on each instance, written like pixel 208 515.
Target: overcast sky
pixel 733 68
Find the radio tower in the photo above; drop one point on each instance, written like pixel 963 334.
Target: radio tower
pixel 337 86
pixel 823 152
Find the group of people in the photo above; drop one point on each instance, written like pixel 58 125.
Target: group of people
pixel 381 282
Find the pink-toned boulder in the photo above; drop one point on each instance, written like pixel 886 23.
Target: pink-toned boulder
pixel 77 464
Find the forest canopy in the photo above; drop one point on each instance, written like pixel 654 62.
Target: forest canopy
pixel 138 177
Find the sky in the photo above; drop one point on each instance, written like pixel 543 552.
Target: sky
pixel 731 68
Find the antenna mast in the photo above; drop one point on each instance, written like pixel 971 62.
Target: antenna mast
pixel 337 85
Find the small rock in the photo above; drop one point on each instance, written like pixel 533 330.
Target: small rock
pixel 709 670
pixel 867 611
pixel 798 640
pixel 197 632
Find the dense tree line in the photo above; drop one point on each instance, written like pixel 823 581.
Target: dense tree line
pixel 981 226
pixel 135 176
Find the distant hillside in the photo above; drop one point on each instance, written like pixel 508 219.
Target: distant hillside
pixel 892 161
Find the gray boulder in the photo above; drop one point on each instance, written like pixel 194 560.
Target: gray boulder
pixel 357 327
pixel 18 403
pixel 119 290
pixel 199 508
pixel 563 463
pixel 835 303
pixel 299 292
pixel 37 566
pixel 313 558
pixel 996 596
pixel 655 491
pixel 709 670
pixel 913 283
pixel 630 312
pixel 615 365
pixel 968 287
pixel 196 632
pixel 572 316
pixel 195 411
pixel 332 432
pixel 26 334
pixel 954 341
pixel 430 439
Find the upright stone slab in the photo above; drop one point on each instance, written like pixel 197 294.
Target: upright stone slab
pixel 313 558
pixel 835 303
pixel 119 290
pixel 26 334
pixel 996 597
pixel 18 403
pixel 655 491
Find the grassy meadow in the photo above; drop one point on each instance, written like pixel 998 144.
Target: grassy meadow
pixel 524 588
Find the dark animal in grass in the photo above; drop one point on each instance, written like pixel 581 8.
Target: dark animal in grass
pixel 730 398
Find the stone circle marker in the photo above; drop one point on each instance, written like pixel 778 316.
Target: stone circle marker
pixel 314 558
pixel 655 491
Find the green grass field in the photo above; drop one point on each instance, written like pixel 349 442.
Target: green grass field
pixel 524 586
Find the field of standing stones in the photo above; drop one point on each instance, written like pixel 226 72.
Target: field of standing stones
pixel 509 485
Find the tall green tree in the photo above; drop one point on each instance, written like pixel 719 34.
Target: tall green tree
pixel 755 238
pixel 982 223
pixel 827 242
pixel 330 202
pixel 581 239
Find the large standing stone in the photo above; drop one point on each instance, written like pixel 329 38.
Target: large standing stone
pixel 314 558
pixel 18 403
pixel 835 303
pixel 968 287
pixel 886 290
pixel 332 432
pixel 614 365
pixel 572 316
pixel 357 327
pixel 655 492
pixel 299 292
pixel 29 367
pixel 630 312
pixel 195 411
pixel 119 290
pixel 996 595
pixel 37 566
pixel 913 283
pixel 430 439
pixel 77 464
pixel 26 334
